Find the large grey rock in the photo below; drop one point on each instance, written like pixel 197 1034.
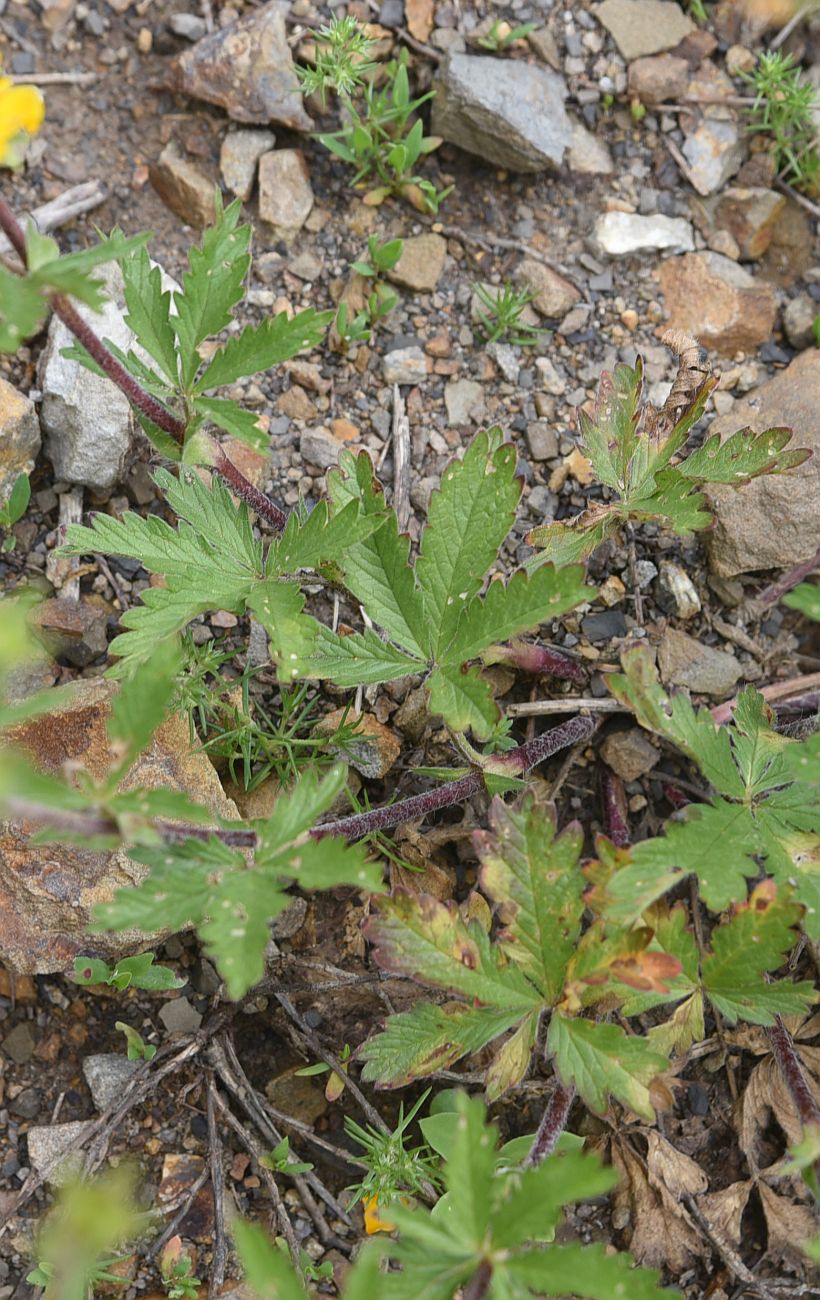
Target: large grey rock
pixel 464 399
pixel 714 152
pixel 19 437
pixel 47 1143
pixel 773 522
pixel 107 1074
pixel 86 420
pixel 240 152
pixel 683 661
pixel 247 69
pixel 48 891
pixel 619 234
pixel 641 27
pixel 509 113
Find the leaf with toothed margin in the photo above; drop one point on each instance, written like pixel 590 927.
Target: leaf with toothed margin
pixel 415 1043
pixel 600 1059
pixel 291 633
pixel 464 698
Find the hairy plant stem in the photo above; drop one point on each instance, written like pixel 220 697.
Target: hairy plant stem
pixel 614 805
pixel 794 1076
pixel 136 394
pixel 479 1283
pixel 517 762
pixel 772 594
pixel 552 1125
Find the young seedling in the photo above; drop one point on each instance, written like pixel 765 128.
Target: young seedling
pixel 501 322
pixel 129 972
pixel 631 445
pixel 394 1171
pixel 381 258
pixel 136 1047
pixel 280 1161
pixel 501 36
pixel 13 509
pixel 177 1272
pixel 784 107
pixel 379 140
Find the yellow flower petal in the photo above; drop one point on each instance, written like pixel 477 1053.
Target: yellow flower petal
pixel 21 111
pixel 372 1221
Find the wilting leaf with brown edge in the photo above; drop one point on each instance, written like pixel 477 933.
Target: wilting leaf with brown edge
pixel 723 1210
pixel 788 1224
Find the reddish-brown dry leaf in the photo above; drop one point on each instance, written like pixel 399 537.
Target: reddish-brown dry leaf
pixel 671 1169
pixel 418 14
pixel 788 1223
pixel 723 1211
pixel 660 1231
pixel 766 1093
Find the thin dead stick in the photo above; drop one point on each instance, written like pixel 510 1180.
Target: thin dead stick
pixel 782 586
pixel 56 79
pixel 219 1255
pixel 401 460
pixel 190 1196
pixel 801 199
pixel 330 1058
pixel 63 571
pixel 632 561
pixel 68 205
pixel 729 1256
pixel 255 1149
pixel 552 1125
pixel 571 704
pixel 776 691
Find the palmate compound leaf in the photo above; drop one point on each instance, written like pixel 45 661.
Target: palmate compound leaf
pixel 761 815
pixel 258 347
pixel 434 612
pixel 231 899
pixel 534 878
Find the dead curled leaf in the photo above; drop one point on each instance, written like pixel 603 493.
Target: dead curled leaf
pixel 659 1229
pixel 671 1169
pixel 723 1211
pixel 789 1223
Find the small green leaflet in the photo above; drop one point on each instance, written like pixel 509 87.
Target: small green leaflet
pixel 259 347
pixel 140 706
pixel 533 876
pixel 755 812
pixel 433 614
pixel 149 312
pixel 743 456
pixel 806 597
pixel 230 900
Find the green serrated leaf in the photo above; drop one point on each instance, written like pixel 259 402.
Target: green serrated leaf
pixel 806 598
pixel 533 876
pixel 586 1271
pixel 413 1044
pixel 321 537
pixel 520 606
pixel 140 706
pixel 234 419
pixel 291 633
pixel 673 501
pixel 600 1059
pixel 358 659
pixel 149 311
pixel 567 543
pixel 742 457
pixel 235 931
pixel 715 841
pixel 212 286
pixel 259 347
pixel 534 1208
pixel 295 813
pixel 464 698
pixel 23 307
pixel 468 519
pixel 268 1270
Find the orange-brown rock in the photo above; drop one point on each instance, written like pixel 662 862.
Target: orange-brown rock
pixel 718 301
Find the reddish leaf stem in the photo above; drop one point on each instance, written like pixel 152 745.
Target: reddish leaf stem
pixel 479 1283
pixel 553 1123
pixel 772 594
pixel 246 491
pixel 793 1074
pixel 614 802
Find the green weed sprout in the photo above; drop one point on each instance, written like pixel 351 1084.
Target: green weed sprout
pixel 501 36
pixel 783 108
pixel 502 319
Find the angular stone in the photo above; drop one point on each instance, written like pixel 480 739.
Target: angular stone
pixel 47 1143
pixel 799 318
pixel 750 216
pixel 86 420
pixel 48 891
pixel 683 661
pixel 677 593
pixel 179 1017
pixel 553 294
pixel 247 69
pixel 464 399
pixel 74 630
pixel 509 113
pixel 619 234
pixel 183 188
pixel 588 155
pixel 542 440
pixel 421 263
pixel 630 754
pixel 107 1074
pixel 373 749
pixel 404 366
pixel 319 447
pixel 722 304
pixel 714 152
pixel 238 157
pixel 641 27
pixel 658 78
pixel 285 195
pixel 19 1045
pixel 773 522
pixel 19 437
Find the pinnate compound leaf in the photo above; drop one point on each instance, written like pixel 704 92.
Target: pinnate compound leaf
pixel 359 659
pixel 212 286
pixel 415 1043
pixel 742 457
pixel 600 1059
pixel 234 419
pixel 524 603
pixel 149 311
pixel 259 347
pixel 464 698
pixel 469 517
pixel 291 633
pixel 533 876
pixel 586 1271
pixel 716 842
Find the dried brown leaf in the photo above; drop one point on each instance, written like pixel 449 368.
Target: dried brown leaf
pixel 671 1169
pixel 789 1224
pixel 723 1210
pixel 765 1094
pixel 660 1231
